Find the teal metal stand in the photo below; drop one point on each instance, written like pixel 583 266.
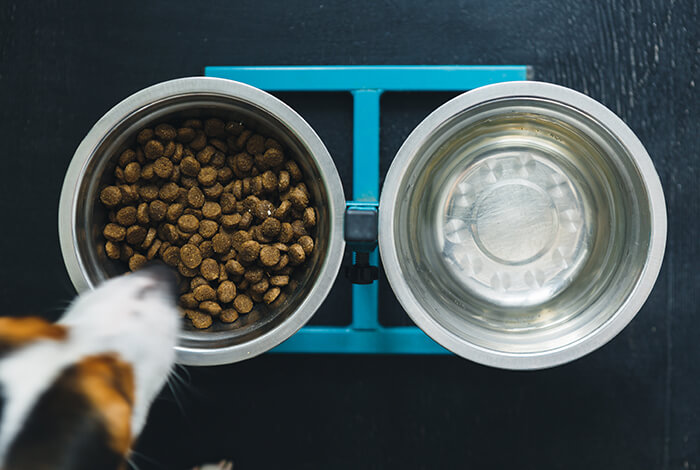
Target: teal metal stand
pixel 367 83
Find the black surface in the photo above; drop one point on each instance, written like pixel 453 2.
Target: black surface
pixel 632 404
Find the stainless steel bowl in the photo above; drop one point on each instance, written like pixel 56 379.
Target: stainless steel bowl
pixel 81 216
pixel 522 225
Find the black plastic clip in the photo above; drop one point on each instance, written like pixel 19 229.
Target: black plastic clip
pixel 361 230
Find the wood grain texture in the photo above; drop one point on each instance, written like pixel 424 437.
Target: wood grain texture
pixel 633 404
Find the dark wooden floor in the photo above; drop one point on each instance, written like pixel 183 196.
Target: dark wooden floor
pixel 634 404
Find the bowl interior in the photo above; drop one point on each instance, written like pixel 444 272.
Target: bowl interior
pixel 527 224
pixel 90 215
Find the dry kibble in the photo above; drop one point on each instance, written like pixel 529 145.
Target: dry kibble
pixel 207 176
pixel 234 267
pixel 296 254
pixel 307 244
pixel 150 238
pixel 274 157
pixel 200 320
pixel 249 251
pixel 254 274
pixel 154 249
pixel 169 192
pixel 165 132
pixel 112 250
pixel 226 292
pixel 135 235
pixel 148 172
pixel 269 256
pixel 269 181
pixel 209 269
pixel 174 212
pixel 185 271
pixel 189 166
pixel 211 210
pixel 126 253
pixel 224 174
pixel 283 181
pixel 213 191
pixel 163 167
pixel 294 171
pixel 144 136
pixel 208 228
pixel 204 292
pixel 228 203
pixel 298 228
pixel 171 256
pixel 309 217
pixel 153 149
pixel 130 193
pixel 231 220
pixel 195 197
pixel 185 134
pixel 279 281
pixel 271 295
pixel 207 249
pixel 126 157
pixel 178 153
pixel 271 227
pixel 282 265
pixel 255 144
pixel 114 233
pixel 286 233
pixel 299 198
pixel 137 261
pixel 169 149
pixel 188 301
pixel 190 255
pixel 246 220
pixel 237 189
pixel 188 183
pixel 205 155
pixel 283 210
pixel 239 238
pixel 260 287
pixel 126 216
pixel 243 304
pixel 228 315
pixel 188 223
pixel 157 210
pixel 221 243
pixel 199 141
pixel 132 172
pixel 210 307
pixel 111 196
pixel 263 210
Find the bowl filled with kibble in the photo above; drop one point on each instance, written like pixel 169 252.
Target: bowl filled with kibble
pixel 227 185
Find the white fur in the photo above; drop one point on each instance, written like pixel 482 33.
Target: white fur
pixel 133 315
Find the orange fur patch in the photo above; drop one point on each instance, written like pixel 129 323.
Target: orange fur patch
pixel 108 383
pixel 16 332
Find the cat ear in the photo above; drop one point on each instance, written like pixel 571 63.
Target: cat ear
pixel 82 421
pixel 18 332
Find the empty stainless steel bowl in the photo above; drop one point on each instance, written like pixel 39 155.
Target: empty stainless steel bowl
pixel 522 225
pixel 81 216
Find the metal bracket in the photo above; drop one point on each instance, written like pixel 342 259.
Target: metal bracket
pixel 366 83
pixel 361 227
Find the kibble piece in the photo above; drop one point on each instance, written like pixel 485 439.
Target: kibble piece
pixel 234 267
pixel 296 254
pixel 211 210
pixel 114 233
pixel 154 249
pixel 169 149
pixel 298 228
pixel 243 304
pixel 169 192
pixel 199 141
pixel 271 295
pixel 111 196
pixel 169 232
pixel 200 320
pixel 163 167
pixel 249 251
pixel 228 315
pixel 205 155
pixel 299 198
pixel 190 255
pixel 208 228
pixel 238 238
pixel 198 281
pixel 221 243
pixel 137 261
pixel 246 220
pixel 283 181
pixel 148 193
pixel 254 274
pixel 188 223
pixel 144 136
pixel 171 256
pixel 130 193
pixel 224 174
pixel 204 292
pixel 307 244
pixel 188 183
pixel 126 253
pixel 148 172
pixel 280 267
pixel 126 157
pixel 214 191
pixel 135 235
pixel 185 134
pixel 279 280
pixel 165 132
pixel 132 172
pixel 271 227
pixel 150 238
pixel 195 198
pixel 255 144
pixel 174 212
pixel 274 157
pixel 196 239
pixel 283 210
pixel 142 216
pixel 231 220
pixel 207 249
pixel 185 271
pixel 309 217
pixel 178 153
pixel 269 256
pixel 294 171
pixel 126 216
pixel 207 176
pixel 260 287
pixel 286 233
pixel 190 166
pixel 188 301
pixel 269 181
pixel 226 292
pixel 157 210
pixel 228 203
pixel 243 162
pixel 237 189
pixel 153 149
pixel 209 269
pixel 263 209
pixel 119 174
pixel 210 307
pixel 112 250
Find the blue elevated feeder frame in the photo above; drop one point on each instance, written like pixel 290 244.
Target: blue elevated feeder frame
pixel 366 84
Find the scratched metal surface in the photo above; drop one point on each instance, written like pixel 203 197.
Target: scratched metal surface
pixel 633 404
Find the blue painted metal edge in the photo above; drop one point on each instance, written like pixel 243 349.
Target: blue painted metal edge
pixel 367 83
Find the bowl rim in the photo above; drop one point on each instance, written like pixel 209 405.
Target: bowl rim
pixel 277 109
pixel 582 104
